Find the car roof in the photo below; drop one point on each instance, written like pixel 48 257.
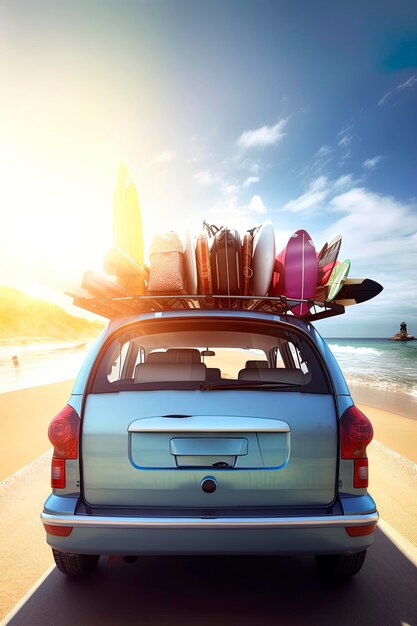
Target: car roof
pixel 238 314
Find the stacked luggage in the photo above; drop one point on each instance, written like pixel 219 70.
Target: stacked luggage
pixel 221 267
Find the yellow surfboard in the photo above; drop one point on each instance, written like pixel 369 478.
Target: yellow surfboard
pixel 127 219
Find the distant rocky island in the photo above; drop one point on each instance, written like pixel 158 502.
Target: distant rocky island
pixel 403 334
pixel 25 319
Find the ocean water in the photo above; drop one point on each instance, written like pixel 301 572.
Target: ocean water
pixel 40 364
pixel 378 363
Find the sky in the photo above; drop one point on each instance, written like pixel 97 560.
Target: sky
pixel 232 111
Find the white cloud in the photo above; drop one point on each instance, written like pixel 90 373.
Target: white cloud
pixel 408 83
pixel 401 87
pixel 378 232
pixel 384 98
pixel 345 130
pixel 324 151
pixel 263 136
pixel 206 177
pixel 379 237
pixel 317 191
pixel 164 157
pixel 345 141
pixel 370 164
pixel 343 182
pixel 229 211
pixel 230 189
pixel 251 180
pixel 256 204
pixel 254 167
pixel 344 158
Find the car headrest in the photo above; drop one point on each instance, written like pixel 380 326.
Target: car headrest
pixel 275 375
pixel 213 373
pixel 257 364
pixel 174 355
pixel 184 355
pixel 167 372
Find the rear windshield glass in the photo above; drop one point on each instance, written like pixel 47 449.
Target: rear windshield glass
pixel 210 354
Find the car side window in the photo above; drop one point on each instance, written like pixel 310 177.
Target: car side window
pixel 117 362
pixel 130 354
pixel 297 358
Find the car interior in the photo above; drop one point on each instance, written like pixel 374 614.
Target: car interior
pixel 209 356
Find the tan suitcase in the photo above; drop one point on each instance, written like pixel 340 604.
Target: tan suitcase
pixel 166 264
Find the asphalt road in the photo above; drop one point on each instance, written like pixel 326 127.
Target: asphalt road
pixel 201 591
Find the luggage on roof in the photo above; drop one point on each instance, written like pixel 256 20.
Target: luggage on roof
pixel 226 264
pixel 167 273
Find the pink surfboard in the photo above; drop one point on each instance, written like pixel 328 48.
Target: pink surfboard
pixel 295 272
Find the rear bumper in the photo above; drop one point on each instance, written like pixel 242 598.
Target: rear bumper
pixel 124 523
pixel 93 534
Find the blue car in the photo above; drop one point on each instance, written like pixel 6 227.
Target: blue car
pixel 198 431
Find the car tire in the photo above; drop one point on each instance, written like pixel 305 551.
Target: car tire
pixel 340 565
pixel 75 564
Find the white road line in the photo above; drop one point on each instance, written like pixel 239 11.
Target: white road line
pixel 408 549
pixel 406 464
pixel 20 473
pixel 26 597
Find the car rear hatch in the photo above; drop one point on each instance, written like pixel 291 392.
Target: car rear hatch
pixel 262 448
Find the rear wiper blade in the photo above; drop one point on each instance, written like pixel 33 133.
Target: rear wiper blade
pixel 248 385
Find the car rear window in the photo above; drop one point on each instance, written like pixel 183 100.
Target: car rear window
pixel 205 354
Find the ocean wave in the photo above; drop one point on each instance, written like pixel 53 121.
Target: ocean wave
pixel 336 349
pixel 405 387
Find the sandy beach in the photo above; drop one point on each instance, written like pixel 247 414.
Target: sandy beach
pixel 24 420
pixel 394 431
pixel 25 474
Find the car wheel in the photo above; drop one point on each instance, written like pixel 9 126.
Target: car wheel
pixel 75 564
pixel 340 565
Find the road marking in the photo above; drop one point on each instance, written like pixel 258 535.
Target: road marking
pixel 408 549
pixel 406 463
pixel 26 597
pixel 8 481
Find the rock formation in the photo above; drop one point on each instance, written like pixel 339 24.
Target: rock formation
pixel 403 335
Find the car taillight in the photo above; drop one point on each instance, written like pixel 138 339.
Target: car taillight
pixel 63 433
pixel 356 433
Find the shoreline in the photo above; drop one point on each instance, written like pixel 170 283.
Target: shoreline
pixel 379 398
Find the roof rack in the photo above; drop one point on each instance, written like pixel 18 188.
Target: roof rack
pixel 111 307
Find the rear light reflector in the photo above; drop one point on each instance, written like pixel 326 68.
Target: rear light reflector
pixel 58 531
pixel 360 473
pixel 360 531
pixel 356 433
pixel 63 433
pixel 58 475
